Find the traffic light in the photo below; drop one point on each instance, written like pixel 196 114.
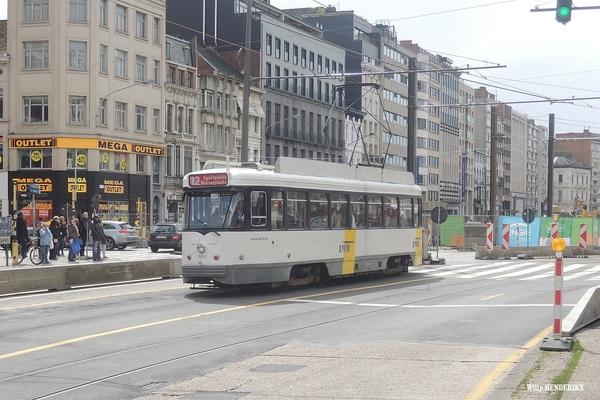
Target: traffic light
pixel 563 10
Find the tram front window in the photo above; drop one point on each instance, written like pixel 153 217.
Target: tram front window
pixel 213 210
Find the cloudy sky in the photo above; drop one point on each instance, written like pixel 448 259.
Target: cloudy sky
pixel 542 57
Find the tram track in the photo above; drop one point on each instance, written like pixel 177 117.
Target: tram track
pixel 215 333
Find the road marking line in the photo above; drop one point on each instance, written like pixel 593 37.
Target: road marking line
pixel 491 297
pixel 479 391
pixel 48 303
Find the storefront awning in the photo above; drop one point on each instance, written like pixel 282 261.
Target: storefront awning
pixel 255 108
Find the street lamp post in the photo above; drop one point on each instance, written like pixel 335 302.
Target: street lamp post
pixel 146 82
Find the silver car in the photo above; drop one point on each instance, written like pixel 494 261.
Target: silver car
pixel 119 234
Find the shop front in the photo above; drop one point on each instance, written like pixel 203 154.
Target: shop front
pixel 113 196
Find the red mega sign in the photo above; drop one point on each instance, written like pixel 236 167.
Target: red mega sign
pixel 220 179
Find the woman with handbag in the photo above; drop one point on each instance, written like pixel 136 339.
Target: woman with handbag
pixel 73 232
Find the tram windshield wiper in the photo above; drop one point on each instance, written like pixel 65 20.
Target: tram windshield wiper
pixel 205 224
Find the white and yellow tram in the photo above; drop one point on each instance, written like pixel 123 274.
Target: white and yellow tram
pixel 301 222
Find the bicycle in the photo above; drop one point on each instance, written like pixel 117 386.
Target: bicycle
pixel 33 251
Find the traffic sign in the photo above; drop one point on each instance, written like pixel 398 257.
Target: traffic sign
pixel 528 215
pixel 33 188
pixel 439 215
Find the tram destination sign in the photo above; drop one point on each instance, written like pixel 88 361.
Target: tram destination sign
pixel 220 179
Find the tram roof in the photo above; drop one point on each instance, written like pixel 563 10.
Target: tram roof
pixel 302 173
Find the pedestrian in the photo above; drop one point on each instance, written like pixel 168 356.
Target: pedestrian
pixel 73 232
pixel 45 241
pixel 22 234
pixel 63 235
pixel 55 235
pixel 103 242
pixel 84 230
pixel 97 234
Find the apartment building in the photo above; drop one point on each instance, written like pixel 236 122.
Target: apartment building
pixel 303 117
pixel 79 93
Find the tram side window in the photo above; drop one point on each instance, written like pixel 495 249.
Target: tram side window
pixel 375 211
pixel 357 210
pixel 277 210
pixel 318 211
pixel 390 217
pixel 406 212
pixel 296 210
pixel 339 211
pixel 259 209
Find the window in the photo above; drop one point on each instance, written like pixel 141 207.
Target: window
pixel 207 99
pixel 77 158
pixel 295 59
pixel 171 75
pixel 1 105
pixel 296 210
pixel 120 63
pixel 286 51
pixel 180 119
pixel 35 158
pixel 140 163
pixel 140 68
pixel 140 25
pixel 78 10
pixel 36 11
pixel 120 115
pixel 169 117
pixel 319 63
pixel 188 152
pixel 156 120
pixel 77 110
pixel 190 80
pixel 35 55
pixel 103 12
pixel 35 109
pixel 157 30
pixel 140 118
pixel 120 160
pixel 77 55
pixel 168 50
pixel 303 58
pixel 191 129
pixel 277 47
pixel 121 20
pixel 311 61
pixel 268 45
pixel 102 113
pixel 103 58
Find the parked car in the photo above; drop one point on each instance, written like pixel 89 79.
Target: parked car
pixel 119 234
pixel 165 236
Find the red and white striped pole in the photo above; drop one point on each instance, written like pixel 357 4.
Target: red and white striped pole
pixel 489 244
pixel 429 231
pixel 558 342
pixel 505 236
pixel 582 236
pixel 554 230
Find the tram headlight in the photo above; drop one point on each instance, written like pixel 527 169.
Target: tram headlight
pixel 201 247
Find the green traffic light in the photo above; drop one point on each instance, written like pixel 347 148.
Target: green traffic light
pixel 564 12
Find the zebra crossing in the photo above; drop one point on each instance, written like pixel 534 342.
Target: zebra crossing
pixel 520 270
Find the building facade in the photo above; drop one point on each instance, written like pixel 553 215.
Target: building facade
pixel 80 93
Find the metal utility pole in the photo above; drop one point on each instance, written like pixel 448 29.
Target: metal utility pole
pixel 493 166
pixel 246 100
pixel 549 207
pixel 411 151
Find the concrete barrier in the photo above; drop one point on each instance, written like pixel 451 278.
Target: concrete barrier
pixel 61 277
pixel 586 311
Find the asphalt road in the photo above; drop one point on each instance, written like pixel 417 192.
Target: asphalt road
pixel 435 332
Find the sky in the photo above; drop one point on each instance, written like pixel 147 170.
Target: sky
pixel 543 58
